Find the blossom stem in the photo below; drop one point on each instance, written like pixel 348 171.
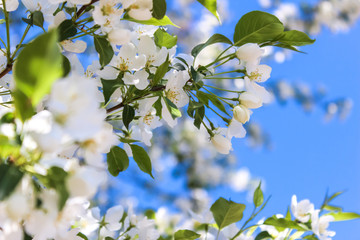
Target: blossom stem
pixel 230 104
pixel 21 41
pixel 222 89
pixel 219 59
pixel 234 71
pixel 223 77
pixel 6 13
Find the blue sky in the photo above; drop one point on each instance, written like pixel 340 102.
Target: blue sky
pixel 309 156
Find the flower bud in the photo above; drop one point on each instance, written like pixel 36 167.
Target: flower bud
pixel 241 114
pixel 222 144
pixel 249 53
pixel 250 100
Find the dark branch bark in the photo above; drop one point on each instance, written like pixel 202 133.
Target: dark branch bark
pixel 120 105
pixel 83 8
pixel 6 70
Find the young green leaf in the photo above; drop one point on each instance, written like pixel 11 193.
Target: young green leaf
pixel 37 67
pixel 142 159
pixel 152 21
pixel 226 212
pixel 216 38
pixel 164 39
pixel 258 197
pixel 104 49
pixel 211 6
pixel 344 216
pixel 257 27
pixel 174 111
pixel 284 223
pixel 10 176
pixel 158 107
pixel 160 72
pixel 117 160
pixel 159 9
pixel 186 235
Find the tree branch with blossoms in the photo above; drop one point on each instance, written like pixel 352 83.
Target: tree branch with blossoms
pixel 58 120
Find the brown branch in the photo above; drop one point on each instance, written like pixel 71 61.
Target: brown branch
pixel 120 105
pixel 6 70
pixel 83 8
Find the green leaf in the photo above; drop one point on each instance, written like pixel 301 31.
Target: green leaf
pixel 263 235
pixel 109 87
pixel 214 100
pixel 164 39
pixel 161 71
pixel 82 236
pixel 192 107
pixel 174 111
pixel 117 160
pixel 2 21
pixel 344 216
pixel 186 235
pixel 159 9
pixel 38 18
pixel 23 105
pixel 258 197
pixel 10 177
pixel 29 20
pixel 216 38
pixel 142 159
pixel 310 237
pixel 199 116
pixel 296 38
pixel 203 97
pixel 287 46
pixel 150 214
pixel 36 68
pixel 333 208
pixel 128 115
pixel 158 107
pixel 66 66
pixel 66 29
pixel 227 212
pixel 153 21
pixel 335 195
pixel 288 214
pixel 56 179
pixel 211 6
pixel 104 49
pixel 284 223
pixel 257 27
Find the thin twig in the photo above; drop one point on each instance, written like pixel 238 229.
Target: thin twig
pixel 83 8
